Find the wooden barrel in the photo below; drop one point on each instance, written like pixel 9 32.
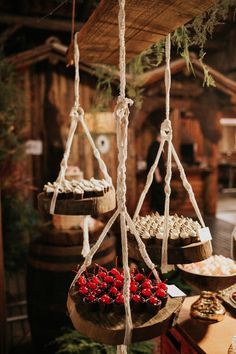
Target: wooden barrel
pixel 49 275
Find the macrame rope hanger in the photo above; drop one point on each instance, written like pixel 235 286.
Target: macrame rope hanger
pixel 121 114
pixel 166 137
pixel 77 115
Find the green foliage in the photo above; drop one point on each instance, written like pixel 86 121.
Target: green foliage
pixel 202 27
pixel 19 222
pixel 193 34
pixel 208 79
pixel 18 216
pixel 106 80
pixel 73 342
pixel 174 277
pixel 196 33
pixel 151 57
pixel 181 38
pixel 11 121
pixel 108 76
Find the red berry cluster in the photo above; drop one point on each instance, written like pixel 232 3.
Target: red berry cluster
pixel 106 287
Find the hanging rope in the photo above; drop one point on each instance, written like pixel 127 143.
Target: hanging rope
pixel 72 21
pixel 166 136
pixel 77 115
pixel 187 186
pixel 121 114
pixel 86 246
pixel 149 179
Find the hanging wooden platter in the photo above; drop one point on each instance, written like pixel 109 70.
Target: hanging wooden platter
pixel 191 253
pixel 207 282
pixel 87 206
pixel 112 332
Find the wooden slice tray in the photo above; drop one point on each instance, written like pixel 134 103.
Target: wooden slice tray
pixel 69 237
pixel 113 334
pixel 207 282
pixel 194 252
pixel 87 206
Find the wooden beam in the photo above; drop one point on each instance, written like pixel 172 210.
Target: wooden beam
pixel 30 56
pixel 152 76
pixel 41 23
pixel 9 32
pixel 223 83
pixel 147 21
pixel 51 50
pixel 2 291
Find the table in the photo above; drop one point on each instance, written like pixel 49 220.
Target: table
pixel 191 336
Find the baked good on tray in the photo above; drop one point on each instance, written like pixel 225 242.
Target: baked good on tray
pixel 78 190
pixel 182 230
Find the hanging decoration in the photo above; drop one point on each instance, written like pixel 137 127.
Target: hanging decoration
pixel 109 295
pixel 179 239
pixel 84 197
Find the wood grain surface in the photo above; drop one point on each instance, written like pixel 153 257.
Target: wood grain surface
pixel 147 21
pixel 114 334
pixel 87 206
pixel 194 252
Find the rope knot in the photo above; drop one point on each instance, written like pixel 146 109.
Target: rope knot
pixel 80 112
pixel 122 106
pixel 166 130
pixel 77 113
pixel 74 114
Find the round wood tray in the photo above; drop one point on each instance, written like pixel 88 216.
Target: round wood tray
pixel 114 334
pixel 87 206
pixel 207 282
pixel 194 252
pixel 69 237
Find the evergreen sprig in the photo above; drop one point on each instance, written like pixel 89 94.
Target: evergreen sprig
pixel 73 342
pixel 19 218
pixel 11 121
pixel 19 224
pixel 194 34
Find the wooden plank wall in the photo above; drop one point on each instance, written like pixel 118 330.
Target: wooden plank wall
pixel 182 129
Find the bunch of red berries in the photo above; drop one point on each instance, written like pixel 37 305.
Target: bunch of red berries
pixel 104 290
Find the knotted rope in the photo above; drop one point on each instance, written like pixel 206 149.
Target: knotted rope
pixel 76 115
pixel 121 114
pixel 166 136
pixel 86 246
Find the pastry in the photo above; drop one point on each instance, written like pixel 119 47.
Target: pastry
pixel 77 189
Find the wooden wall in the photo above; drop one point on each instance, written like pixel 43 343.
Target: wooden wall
pixel 190 123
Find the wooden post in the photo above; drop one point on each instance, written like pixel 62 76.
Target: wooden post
pixel 211 181
pixel 176 124
pixel 2 291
